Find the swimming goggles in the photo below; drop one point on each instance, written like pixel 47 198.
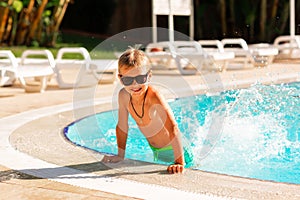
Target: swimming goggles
pixel 140 79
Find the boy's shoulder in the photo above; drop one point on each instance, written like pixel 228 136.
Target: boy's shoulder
pixel 152 90
pixel 123 93
pixel 154 93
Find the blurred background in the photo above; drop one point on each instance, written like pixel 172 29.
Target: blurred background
pixel 52 22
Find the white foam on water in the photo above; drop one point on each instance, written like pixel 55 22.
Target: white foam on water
pixel 258 131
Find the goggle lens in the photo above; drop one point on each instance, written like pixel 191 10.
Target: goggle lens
pixel 140 79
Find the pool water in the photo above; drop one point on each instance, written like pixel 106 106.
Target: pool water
pixel 252 132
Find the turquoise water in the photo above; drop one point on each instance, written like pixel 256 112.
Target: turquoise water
pixel 252 132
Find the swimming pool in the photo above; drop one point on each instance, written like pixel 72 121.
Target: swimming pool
pixel 258 132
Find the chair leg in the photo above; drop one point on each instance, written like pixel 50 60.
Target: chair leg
pixel 43 83
pixel 40 87
pixel 22 82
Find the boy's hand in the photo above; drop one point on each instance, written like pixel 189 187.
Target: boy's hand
pixel 175 168
pixel 112 159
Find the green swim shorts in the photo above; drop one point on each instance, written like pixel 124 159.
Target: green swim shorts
pixel 166 154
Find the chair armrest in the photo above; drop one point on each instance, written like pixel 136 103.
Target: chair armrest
pixel 8 54
pixel 45 53
pixel 238 41
pixel 80 50
pixel 216 43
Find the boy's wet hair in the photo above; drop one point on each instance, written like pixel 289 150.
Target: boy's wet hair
pixel 132 58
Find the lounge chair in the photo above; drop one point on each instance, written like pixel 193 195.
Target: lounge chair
pixel 8 68
pixel 104 70
pixel 263 54
pixel 215 49
pixel 243 58
pixel 88 72
pixel 288 46
pixel 186 56
pixel 71 73
pixel 33 73
pixel 212 45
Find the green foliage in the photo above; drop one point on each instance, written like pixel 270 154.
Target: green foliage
pixel 3 4
pixel 17 5
pixel 46 17
pixel 35 43
pixel 52 3
pixel 25 2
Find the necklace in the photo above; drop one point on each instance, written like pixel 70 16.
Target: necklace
pixel 142 115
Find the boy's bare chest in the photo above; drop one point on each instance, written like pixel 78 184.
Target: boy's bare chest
pixel 140 113
pixel 151 121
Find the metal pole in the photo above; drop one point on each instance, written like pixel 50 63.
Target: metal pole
pixel 192 21
pixel 154 24
pixel 171 23
pixel 292 17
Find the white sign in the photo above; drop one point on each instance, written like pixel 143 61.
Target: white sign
pixel 174 7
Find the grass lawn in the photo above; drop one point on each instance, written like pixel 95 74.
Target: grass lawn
pixel 70 40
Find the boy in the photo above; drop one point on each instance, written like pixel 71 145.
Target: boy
pixel 148 108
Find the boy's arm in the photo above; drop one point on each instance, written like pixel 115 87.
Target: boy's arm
pixel 175 140
pixel 177 147
pixel 178 165
pixel 121 141
pixel 121 129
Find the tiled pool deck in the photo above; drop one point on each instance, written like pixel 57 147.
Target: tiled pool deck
pixel 37 162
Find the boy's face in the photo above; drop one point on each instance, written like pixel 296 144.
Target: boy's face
pixel 135 80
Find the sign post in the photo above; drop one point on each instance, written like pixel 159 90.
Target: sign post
pixel 172 8
pixel 292 17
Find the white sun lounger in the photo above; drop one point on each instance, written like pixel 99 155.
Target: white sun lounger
pixel 88 72
pixel 212 45
pixel 72 73
pixel 33 73
pixel 247 56
pixel 105 70
pixel 8 68
pixel 215 49
pixel 263 54
pixel 186 56
pixel 288 46
pixel 243 58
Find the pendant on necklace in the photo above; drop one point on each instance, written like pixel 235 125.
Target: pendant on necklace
pixel 142 115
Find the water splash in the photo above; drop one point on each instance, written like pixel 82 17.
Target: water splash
pixel 260 134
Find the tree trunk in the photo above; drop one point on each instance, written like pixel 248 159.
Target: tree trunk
pixel 4 14
pixel 59 13
pixel 40 30
pixel 285 17
pixel 263 18
pixel 25 19
pixel 274 9
pixel 232 14
pixel 13 32
pixel 223 17
pixel 35 23
pixel 8 28
pixel 198 29
pixel 273 19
